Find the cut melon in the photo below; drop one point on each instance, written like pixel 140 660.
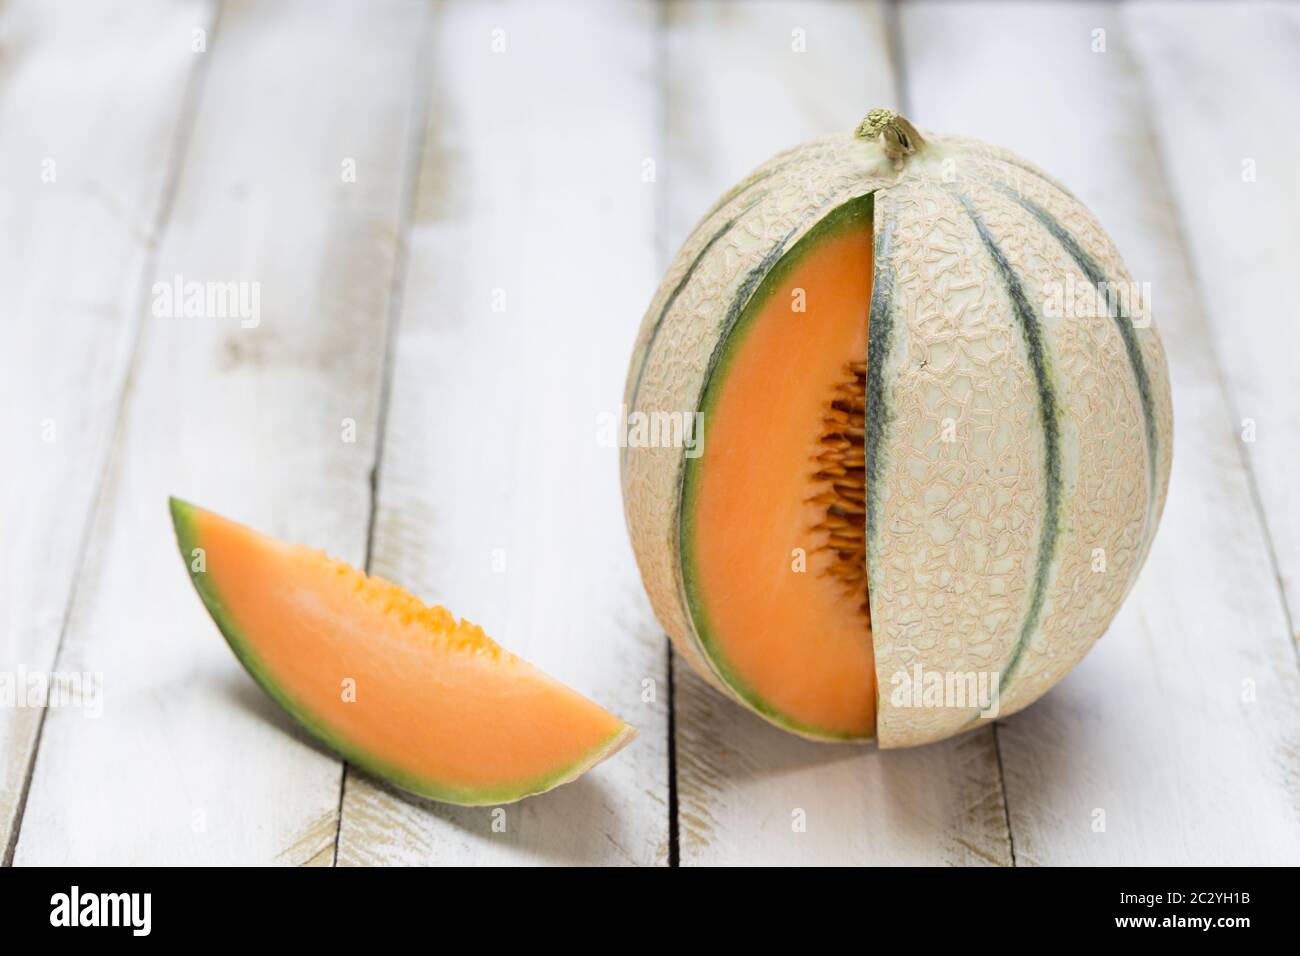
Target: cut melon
pixel 780 602
pixel 399 688
pixel 941 469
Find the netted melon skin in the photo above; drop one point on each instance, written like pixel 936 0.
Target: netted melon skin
pixel 1017 459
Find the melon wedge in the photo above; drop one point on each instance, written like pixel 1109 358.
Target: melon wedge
pixel 399 688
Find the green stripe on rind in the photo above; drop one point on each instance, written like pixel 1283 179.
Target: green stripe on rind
pixel 1124 324
pixel 183 519
pixel 673 296
pixel 880 337
pixel 760 177
pixel 757 288
pixel 1031 331
pixel 988 153
pixel 776 165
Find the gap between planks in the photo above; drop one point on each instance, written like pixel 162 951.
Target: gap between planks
pixel 1223 374
pixel 176 161
pixel 661 219
pixel 392 325
pixel 897 56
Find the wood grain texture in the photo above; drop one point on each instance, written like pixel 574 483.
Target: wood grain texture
pixel 1181 731
pixel 1231 159
pixel 738 90
pixel 531 258
pixel 493 496
pixel 190 762
pixel 86 181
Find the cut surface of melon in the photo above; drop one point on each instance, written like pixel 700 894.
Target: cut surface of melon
pixel 400 688
pixel 775 602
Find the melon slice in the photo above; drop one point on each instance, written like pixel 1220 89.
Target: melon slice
pixel 773 538
pixel 399 688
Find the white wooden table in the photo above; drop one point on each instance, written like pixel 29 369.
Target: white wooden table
pixel 456 213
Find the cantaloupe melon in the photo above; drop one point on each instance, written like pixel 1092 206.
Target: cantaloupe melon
pixel 935 435
pixel 401 689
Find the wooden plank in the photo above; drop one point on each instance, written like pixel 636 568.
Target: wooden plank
pixel 531 260
pixel 86 182
pixel 1181 730
pixel 738 91
pixel 1231 146
pixel 190 762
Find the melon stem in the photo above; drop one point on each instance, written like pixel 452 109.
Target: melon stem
pixel 897 136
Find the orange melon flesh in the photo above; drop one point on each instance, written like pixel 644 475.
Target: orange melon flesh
pixel 440 709
pixel 795 645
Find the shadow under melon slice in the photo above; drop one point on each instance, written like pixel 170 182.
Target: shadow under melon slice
pixel 401 689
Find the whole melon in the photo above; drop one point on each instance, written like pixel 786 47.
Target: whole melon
pixel 898 436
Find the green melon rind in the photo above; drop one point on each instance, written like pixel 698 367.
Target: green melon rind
pixel 854 212
pixel 187 540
